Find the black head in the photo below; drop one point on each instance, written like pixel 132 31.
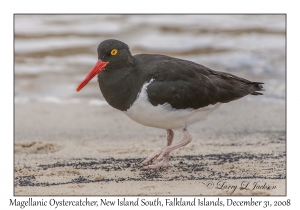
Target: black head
pixel 116 53
pixel 112 55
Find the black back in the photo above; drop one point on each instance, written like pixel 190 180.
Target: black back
pixel 184 84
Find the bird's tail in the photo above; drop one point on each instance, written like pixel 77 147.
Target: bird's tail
pixel 256 86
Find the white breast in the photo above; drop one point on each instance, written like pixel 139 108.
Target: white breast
pixel 164 116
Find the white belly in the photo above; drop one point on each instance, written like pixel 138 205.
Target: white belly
pixel 163 116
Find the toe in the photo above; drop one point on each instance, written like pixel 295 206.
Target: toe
pixel 163 164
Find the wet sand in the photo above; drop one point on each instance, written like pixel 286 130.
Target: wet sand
pixel 82 149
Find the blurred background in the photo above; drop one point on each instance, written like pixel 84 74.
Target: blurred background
pixel 53 53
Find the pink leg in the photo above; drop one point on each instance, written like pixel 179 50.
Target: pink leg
pixel 170 135
pixel 162 155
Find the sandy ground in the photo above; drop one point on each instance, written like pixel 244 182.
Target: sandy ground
pixel 79 149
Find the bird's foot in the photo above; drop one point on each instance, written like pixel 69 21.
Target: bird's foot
pixel 163 164
pixel 153 156
pixel 159 160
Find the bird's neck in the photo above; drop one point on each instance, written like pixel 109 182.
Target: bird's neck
pixel 119 87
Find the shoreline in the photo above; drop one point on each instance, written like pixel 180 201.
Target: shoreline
pixel 79 149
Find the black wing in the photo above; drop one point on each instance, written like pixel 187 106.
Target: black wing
pixel 184 84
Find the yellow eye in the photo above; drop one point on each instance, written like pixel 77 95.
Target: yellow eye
pixel 114 52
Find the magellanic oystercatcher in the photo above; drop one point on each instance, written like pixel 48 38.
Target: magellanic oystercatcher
pixel 163 92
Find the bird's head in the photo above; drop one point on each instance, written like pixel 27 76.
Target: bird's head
pixel 112 54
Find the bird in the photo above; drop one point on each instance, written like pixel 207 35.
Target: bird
pixel 163 92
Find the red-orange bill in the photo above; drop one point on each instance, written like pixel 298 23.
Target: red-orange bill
pixel 99 66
